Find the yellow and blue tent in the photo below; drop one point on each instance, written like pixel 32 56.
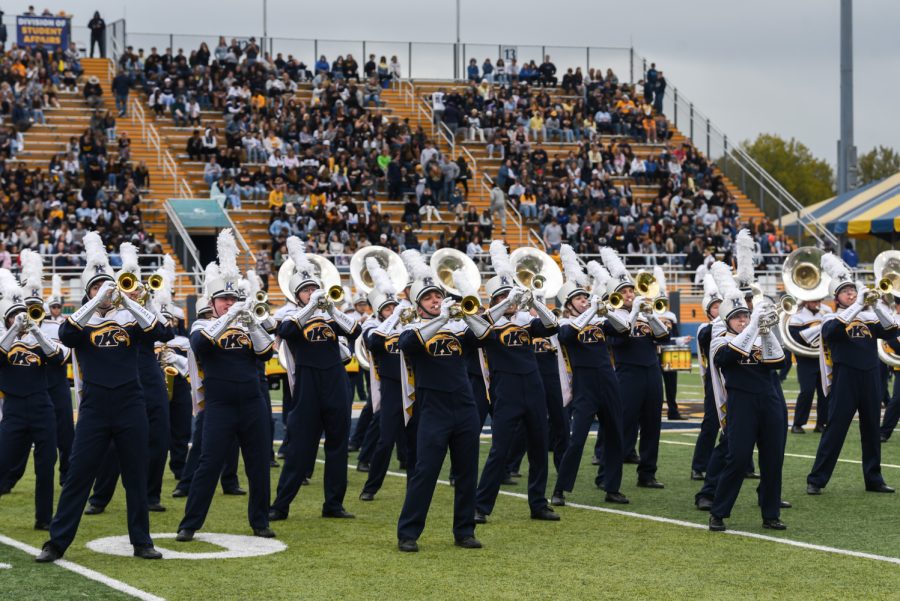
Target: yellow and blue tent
pixel 872 210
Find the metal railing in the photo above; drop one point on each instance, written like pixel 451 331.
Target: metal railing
pixel 164 158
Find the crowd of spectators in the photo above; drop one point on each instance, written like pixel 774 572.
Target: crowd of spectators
pixel 90 185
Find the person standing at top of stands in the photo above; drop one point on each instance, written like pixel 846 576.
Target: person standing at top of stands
pixel 98 34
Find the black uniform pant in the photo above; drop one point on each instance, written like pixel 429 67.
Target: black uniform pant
pixel 363 422
pixel 892 413
pixel 233 410
pixel 105 415
pixel 808 375
pixel 229 468
pixel 323 404
pixel 641 388
pixel 61 398
pixel 287 404
pixel 852 391
pixel 156 399
pixel 753 419
pixel 26 419
pixel 670 385
pixel 393 428
pixel 447 420
pixel 519 401
pixel 595 392
pixel 180 416
pixel 267 397
pixel 706 439
pixel 558 435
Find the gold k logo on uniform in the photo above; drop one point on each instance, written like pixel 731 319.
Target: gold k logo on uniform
pixel 110 337
pixel 515 337
pixel 859 330
pixel 23 358
pixel 444 345
pixel 233 340
pixel 591 335
pixel 392 344
pixel 318 332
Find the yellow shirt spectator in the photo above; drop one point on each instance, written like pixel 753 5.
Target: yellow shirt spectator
pixel 276 199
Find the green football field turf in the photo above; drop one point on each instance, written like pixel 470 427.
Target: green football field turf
pixel 590 554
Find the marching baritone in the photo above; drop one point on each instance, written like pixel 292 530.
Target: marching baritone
pixel 742 362
pixel 228 348
pixel 850 373
pixel 105 344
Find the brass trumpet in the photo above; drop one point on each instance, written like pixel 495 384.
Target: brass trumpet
pixel 168 369
pixel 469 305
pixel 645 284
pixel 35 312
pixel 408 315
pixel 261 296
pixel 127 282
pixel 333 295
pixel 155 282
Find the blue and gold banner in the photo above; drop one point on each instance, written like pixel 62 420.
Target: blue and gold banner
pixel 53 32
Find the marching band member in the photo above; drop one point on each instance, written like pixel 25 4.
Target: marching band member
pixel 112 409
pixel 323 391
pixel 709 427
pixel 892 411
pixel 753 409
pixel 250 287
pixel 448 416
pixel 28 412
pixel 806 327
pixel 228 349
pixel 670 320
pixel 638 370
pixel 516 387
pixel 156 400
pixel 849 336
pixel 381 335
pixel 229 477
pixel 594 387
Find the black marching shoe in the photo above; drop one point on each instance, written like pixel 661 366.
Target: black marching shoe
pixel 785 504
pixel 558 499
pixel 48 553
pixel 305 482
pixel 148 552
pixel 41 526
pixel 752 475
pixel 595 460
pixel 716 524
pixel 469 542
pixel 408 546
pixel 650 483
pixel 178 493
pixel 879 488
pixel 480 518
pixel 94 510
pixel 155 507
pixel 632 459
pixel 366 496
pixel 515 474
pixel 883 438
pixel 362 466
pixel 337 513
pixel 775 524
pixel 277 516
pixel 819 429
pixel 797 430
pixel 508 480
pixel 616 497
pixel 264 532
pixel 237 491
pixel 545 514
pixel 677 417
pixel 695 475
pixel 812 489
pixel 704 503
pixel 184 535
pixel 352 448
pixel 273 464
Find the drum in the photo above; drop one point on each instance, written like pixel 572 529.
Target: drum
pixel 675 358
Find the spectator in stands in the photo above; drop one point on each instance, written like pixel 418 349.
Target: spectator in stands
pixel 93 93
pixel 98 34
pixel 121 86
pixel 212 171
pixel 498 206
pixel 548 73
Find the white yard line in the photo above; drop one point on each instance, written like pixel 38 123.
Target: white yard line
pixel 796 455
pixel 696 526
pixel 86 572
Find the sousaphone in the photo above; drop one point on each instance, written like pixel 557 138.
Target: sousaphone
pixel 325 270
pixel 804 280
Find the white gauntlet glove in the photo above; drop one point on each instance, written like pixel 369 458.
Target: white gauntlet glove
pixel 387 326
pixel 143 316
pixel 261 339
pixel 429 328
pixel 585 318
pixel 744 341
pixel 477 324
pixel 544 314
pixel 305 313
pixel 884 313
pixel 346 353
pixel 635 311
pixel 49 347
pixel 849 314
pixel 12 334
pixel 216 328
pixel 344 321
pixel 83 315
pixel 771 347
pixel 656 326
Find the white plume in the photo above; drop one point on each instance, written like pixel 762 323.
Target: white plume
pixel 744 249
pixel 227 251
pixel 253 283
pixel 465 287
pixel 32 272
pixel 10 291
pixel 500 259
pixel 95 254
pixel 129 254
pixel 297 253
pixel 833 265
pixel 168 267
pixel 660 276
pixel 612 262
pixel 728 288
pixel 709 285
pixel 7 279
pixel 415 264
pixel 380 277
pixel 572 266
pixel 599 276
pixel 56 287
pixel 212 273
pixel 163 296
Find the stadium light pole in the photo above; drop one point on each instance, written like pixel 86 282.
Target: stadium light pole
pixel 846 149
pixel 456 61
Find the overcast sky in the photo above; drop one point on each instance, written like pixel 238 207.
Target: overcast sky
pixel 752 67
